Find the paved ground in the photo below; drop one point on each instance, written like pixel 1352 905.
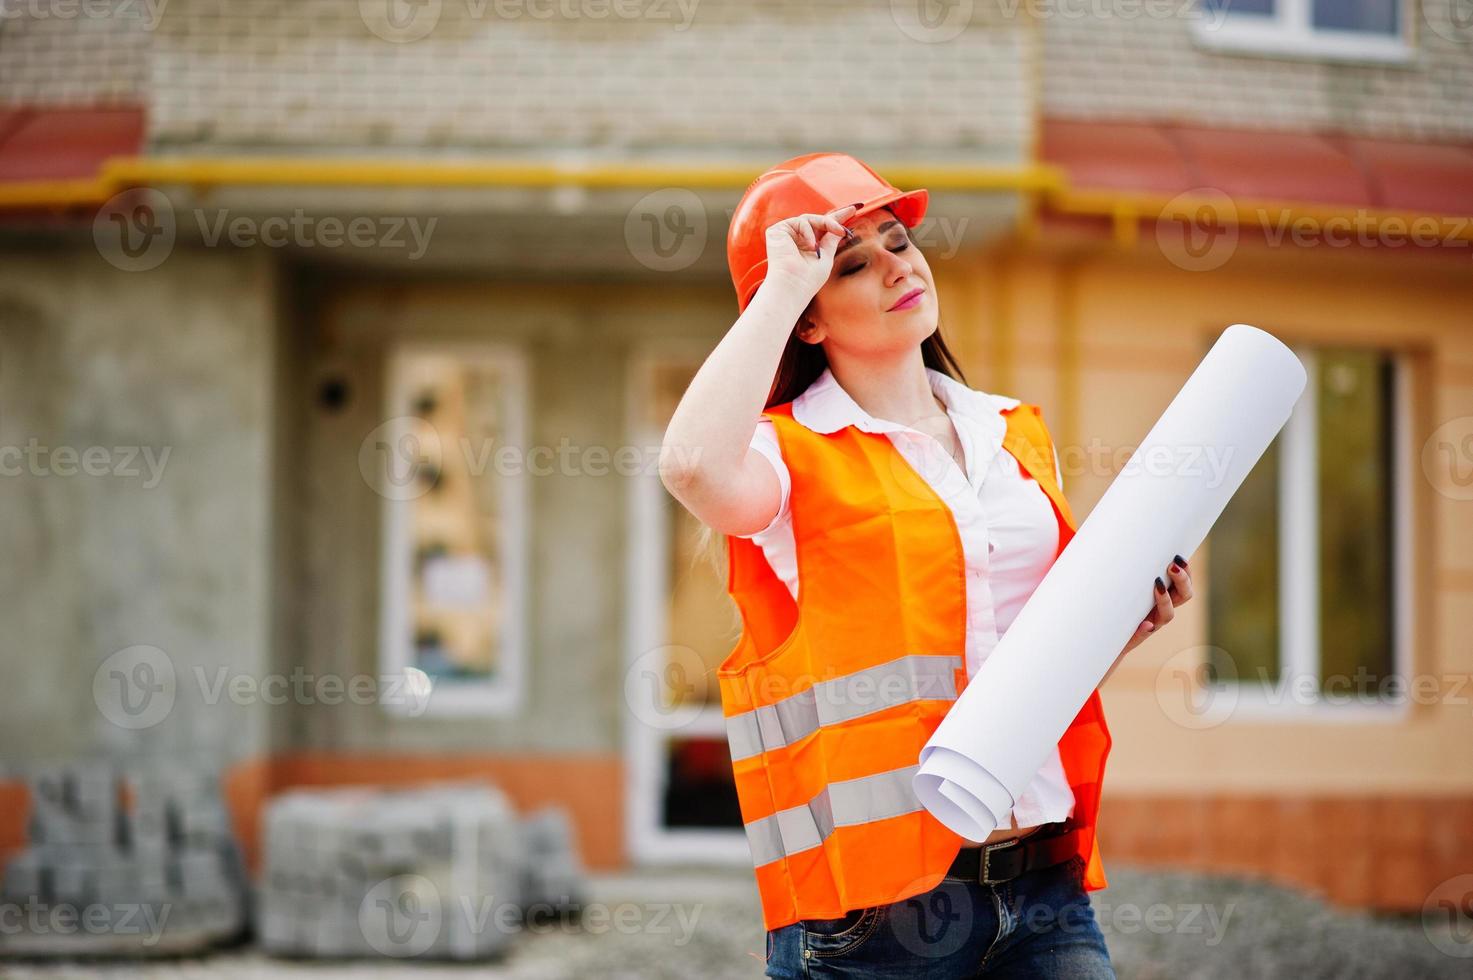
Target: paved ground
pixel 686 925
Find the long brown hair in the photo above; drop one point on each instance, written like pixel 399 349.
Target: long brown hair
pixel 802 363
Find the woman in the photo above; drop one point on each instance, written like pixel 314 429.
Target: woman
pixel 885 522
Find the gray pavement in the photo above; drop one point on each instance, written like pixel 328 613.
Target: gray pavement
pixel 703 924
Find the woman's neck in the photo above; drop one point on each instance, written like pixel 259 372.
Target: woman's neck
pixel 897 391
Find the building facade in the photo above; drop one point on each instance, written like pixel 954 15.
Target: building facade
pixel 397 299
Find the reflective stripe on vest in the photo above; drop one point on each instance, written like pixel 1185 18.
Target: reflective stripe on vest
pixel 843 803
pixel 915 677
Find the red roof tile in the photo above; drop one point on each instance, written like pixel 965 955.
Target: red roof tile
pixel 65 144
pixel 1293 167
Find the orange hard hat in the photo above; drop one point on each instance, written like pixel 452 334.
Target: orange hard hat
pixel 814 183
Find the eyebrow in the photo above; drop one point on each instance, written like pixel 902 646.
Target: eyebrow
pixel 857 240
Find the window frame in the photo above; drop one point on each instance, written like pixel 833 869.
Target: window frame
pixel 1289 32
pixel 1298 559
pixel 647 585
pixel 506 694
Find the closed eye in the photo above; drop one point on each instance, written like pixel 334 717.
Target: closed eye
pixel 855 268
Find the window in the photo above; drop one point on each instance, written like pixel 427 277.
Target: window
pixel 1357 30
pixel 1306 608
pixel 681 797
pixel 448 466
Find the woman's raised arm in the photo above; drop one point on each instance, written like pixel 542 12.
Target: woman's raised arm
pixel 705 458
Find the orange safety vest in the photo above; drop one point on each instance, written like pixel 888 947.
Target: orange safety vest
pixel 829 700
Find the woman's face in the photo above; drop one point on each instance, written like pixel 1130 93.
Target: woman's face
pixel 855 310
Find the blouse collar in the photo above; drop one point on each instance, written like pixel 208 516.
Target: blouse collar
pixel 825 407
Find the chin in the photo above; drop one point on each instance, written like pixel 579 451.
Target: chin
pixel 922 326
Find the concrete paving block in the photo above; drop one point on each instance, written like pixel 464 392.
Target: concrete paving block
pixel 198 868
pixel 223 913
pixel 22 876
pixel 52 823
pixel 548 832
pixel 331 933
pixel 72 883
pixel 462 842
pixel 117 884
pixel 149 829
pixel 170 849
pixel 48 788
pixel 153 852
pixel 203 820
pixel 276 929
pixel 92 791
pixel 70 855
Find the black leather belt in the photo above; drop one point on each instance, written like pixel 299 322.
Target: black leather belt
pixel 1005 860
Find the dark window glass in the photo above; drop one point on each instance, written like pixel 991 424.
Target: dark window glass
pixel 699 791
pixel 1370 16
pixel 1243 569
pixel 1355 399
pixel 1215 7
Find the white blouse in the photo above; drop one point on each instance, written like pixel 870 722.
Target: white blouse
pixel 1007 525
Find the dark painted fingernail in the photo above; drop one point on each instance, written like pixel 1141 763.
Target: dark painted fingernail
pixel 1160 585
pixel 857 204
pixel 1181 561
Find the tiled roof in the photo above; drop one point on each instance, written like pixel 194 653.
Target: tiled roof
pixel 1311 168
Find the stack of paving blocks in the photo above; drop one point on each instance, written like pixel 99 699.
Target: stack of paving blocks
pixel 432 872
pixel 552 875
pixel 124 860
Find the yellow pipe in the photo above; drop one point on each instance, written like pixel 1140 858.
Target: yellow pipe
pixel 1124 207
pixel 118 173
pixel 1126 224
pixel 53 193
pixel 1050 182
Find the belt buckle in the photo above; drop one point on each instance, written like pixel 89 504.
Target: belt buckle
pixel 985 878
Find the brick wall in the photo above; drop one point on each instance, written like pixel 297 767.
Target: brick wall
pixel 67 54
pixel 716 75
pixel 1146 67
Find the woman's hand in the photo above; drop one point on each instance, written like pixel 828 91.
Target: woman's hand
pixel 800 250
pixel 1168 597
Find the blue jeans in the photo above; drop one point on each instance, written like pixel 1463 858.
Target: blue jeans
pixel 1039 925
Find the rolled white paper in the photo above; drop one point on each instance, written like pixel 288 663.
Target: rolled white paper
pixel 1015 709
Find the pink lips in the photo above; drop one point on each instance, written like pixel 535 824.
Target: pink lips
pixel 907 301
